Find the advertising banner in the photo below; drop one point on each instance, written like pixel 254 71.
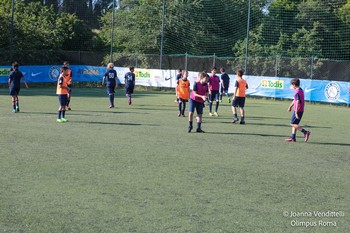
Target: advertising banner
pixel 274 87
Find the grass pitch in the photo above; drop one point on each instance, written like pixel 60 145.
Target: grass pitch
pixel 136 169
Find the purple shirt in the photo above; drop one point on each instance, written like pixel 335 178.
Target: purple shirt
pixel 200 89
pixel 299 95
pixel 214 83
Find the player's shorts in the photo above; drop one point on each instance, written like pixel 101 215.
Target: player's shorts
pixel 63 99
pixel 70 89
pixel 14 90
pixel 129 89
pixel 223 90
pixel 215 95
pixel 182 100
pixel 294 120
pixel 110 90
pixel 196 105
pixel 238 102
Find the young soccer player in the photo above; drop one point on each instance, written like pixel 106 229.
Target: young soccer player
pixel 197 98
pixel 298 103
pixel 225 83
pixel 183 91
pixel 69 83
pixel 129 80
pixel 62 92
pixel 178 77
pixel 239 97
pixel 14 83
pixel 214 86
pixel 110 78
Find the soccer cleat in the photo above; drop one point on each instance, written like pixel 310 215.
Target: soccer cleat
pixel 290 140
pixel 307 135
pixel 210 114
pixel 242 122
pixel 129 102
pixel 59 120
pixel 17 109
pixel 216 114
pixel 111 106
pixel 14 110
pixel 234 120
pixel 69 108
pixel 229 100
pixel 183 115
pixel 190 129
pixel 64 120
pixel 199 130
pixel 179 114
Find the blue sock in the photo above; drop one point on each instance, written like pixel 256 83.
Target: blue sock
pixel 242 118
pixel 63 113
pixel 199 124
pixel 217 106
pixel 59 114
pixel 191 123
pixel 180 106
pixel 235 116
pixel 210 106
pixel 184 108
pixel 303 131
pixel 293 136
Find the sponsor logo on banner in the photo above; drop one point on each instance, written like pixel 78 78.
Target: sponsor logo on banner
pixel 143 74
pixel 88 71
pixel 332 91
pixel 54 73
pixel 270 83
pixel 5 71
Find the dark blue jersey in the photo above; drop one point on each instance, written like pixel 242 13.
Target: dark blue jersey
pixel 225 80
pixel 129 79
pixel 15 79
pixel 111 78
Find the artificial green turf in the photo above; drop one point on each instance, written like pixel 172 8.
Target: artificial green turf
pixel 136 169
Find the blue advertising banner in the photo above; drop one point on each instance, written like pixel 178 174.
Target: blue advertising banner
pixel 275 87
pixel 315 90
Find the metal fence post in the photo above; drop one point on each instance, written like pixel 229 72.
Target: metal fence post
pixel 214 59
pixel 162 37
pixel 186 57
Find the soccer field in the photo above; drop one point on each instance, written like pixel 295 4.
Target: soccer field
pixel 136 169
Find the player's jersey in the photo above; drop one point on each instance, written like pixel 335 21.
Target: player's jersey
pixel 15 79
pixel 61 82
pixel 200 89
pixel 214 83
pixel 299 95
pixel 241 85
pixel 111 78
pixel 225 80
pixel 183 89
pixel 69 77
pixel 129 79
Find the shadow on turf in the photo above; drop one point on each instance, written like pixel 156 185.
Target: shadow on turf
pixel 329 143
pixel 112 123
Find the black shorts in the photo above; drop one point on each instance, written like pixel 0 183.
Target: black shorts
pixel 14 90
pixel 63 99
pixel 238 102
pixel 294 120
pixel 129 90
pixel 215 95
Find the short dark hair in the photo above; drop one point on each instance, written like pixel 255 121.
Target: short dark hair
pixel 15 64
pixel 240 72
pixel 295 82
pixel 214 68
pixel 222 69
pixel 179 70
pixel 131 68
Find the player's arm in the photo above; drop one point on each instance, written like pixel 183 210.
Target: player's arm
pixel 103 80
pixel 291 106
pixel 25 82
pixel 9 81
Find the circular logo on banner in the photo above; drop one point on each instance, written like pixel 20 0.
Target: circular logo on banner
pixel 54 73
pixel 332 91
